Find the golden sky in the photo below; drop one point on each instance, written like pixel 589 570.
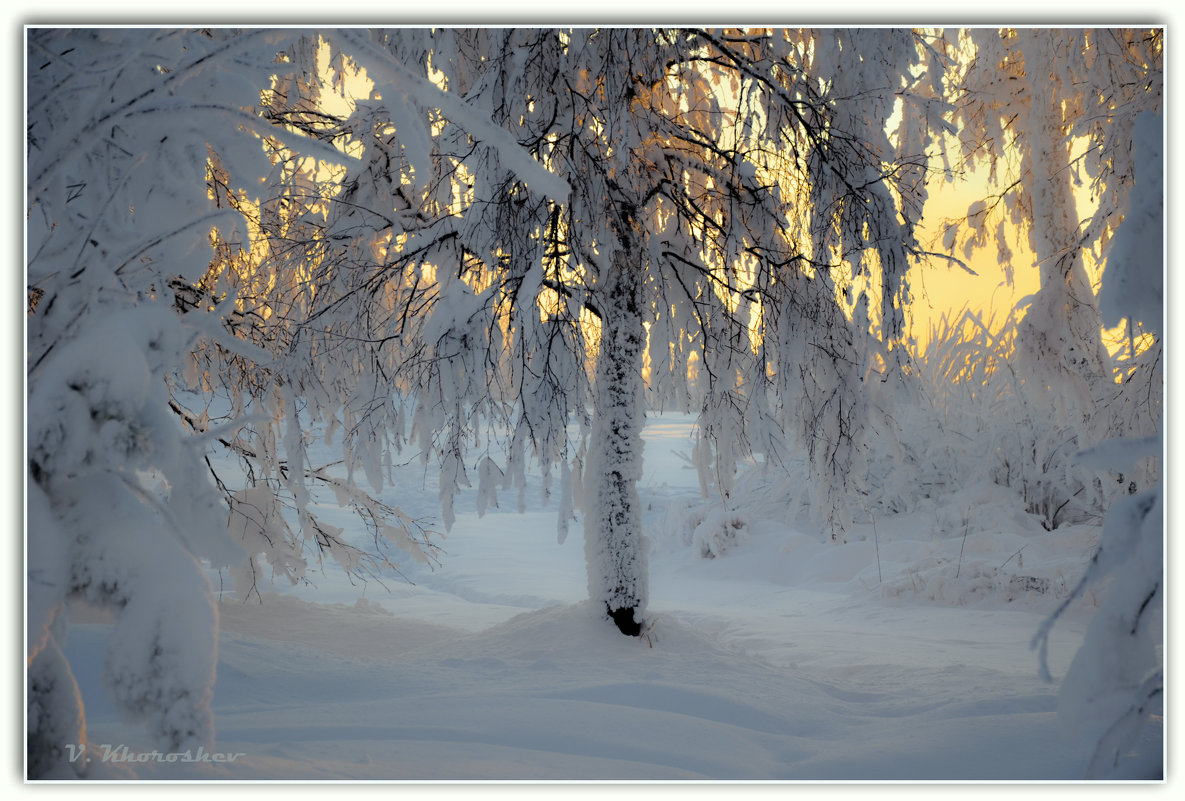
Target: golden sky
pixel 939 287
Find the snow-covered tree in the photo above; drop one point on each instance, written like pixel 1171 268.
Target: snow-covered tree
pixel 283 279
pixel 122 505
pixel 116 204
pixel 1054 114
pixel 1035 68
pixel 542 218
pixel 1116 681
pixel 1048 113
pixel 828 351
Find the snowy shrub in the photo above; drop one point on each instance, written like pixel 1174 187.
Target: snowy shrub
pixel 719 531
pixel 973 581
pixel 981 421
pixel 708 528
pixel 976 423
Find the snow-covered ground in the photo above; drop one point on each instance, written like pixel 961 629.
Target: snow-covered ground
pixel 901 655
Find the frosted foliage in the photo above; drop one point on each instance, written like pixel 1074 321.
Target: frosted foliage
pixel 392 74
pixel 1061 329
pixel 1065 90
pixel 47 555
pixel 98 424
pixel 829 394
pixel 121 123
pixel 1135 263
pixel 257 523
pixel 515 215
pixel 869 84
pixel 1116 681
pixel 54 715
pixel 275 364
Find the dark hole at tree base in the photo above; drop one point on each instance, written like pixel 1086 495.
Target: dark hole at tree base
pixel 624 618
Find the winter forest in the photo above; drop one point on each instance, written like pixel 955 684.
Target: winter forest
pixel 442 404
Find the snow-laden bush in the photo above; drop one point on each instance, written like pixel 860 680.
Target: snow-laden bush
pixel 707 528
pixel 971 418
pixel 719 531
pixel 984 420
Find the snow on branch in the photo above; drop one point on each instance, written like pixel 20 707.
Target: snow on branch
pixel 394 80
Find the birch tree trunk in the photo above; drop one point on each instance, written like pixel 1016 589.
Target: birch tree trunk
pixel 615 548
pixel 1063 325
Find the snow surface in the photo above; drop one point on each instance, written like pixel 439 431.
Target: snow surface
pixel 901 656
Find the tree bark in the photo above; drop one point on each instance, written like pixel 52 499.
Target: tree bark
pixel 1063 326
pixel 614 545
